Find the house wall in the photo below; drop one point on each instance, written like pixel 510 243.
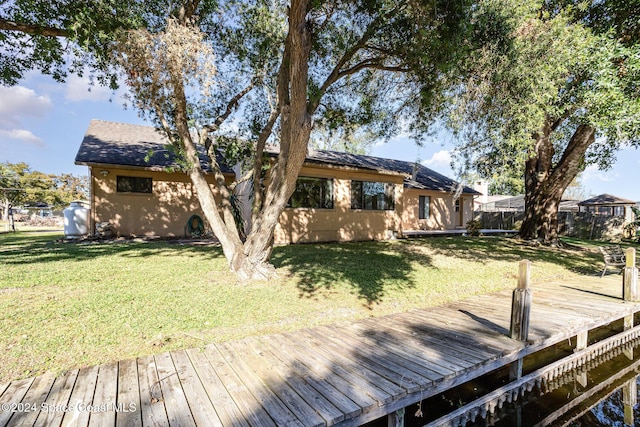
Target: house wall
pixel 442 212
pixel 302 225
pixel 164 212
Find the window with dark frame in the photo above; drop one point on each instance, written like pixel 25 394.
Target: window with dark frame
pixel 368 195
pixel 313 193
pixel 134 184
pixel 424 207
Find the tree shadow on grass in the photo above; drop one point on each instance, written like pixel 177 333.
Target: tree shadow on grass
pixel 490 248
pixel 370 269
pixel 21 248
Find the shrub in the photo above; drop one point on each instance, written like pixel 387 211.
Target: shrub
pixel 473 227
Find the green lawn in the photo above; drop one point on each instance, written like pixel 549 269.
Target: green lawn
pixel 67 305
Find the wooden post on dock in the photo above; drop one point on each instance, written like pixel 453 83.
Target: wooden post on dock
pixel 629 400
pixel 521 303
pixel 520 313
pixel 630 279
pixel 396 419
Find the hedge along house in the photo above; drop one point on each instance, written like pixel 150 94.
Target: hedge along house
pixel 136 187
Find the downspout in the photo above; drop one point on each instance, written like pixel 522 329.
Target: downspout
pixel 92 203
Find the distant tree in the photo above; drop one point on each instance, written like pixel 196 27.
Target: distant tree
pixel 506 184
pixel 556 94
pixel 66 188
pixel 193 66
pixel 20 185
pixel 575 190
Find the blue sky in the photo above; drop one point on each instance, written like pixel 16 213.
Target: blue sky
pixel 43 122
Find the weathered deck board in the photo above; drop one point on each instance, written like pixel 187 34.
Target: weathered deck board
pixel 384 365
pixel 358 369
pixel 279 386
pixel 388 350
pixel 220 398
pixel 310 366
pixel 128 399
pixel 175 402
pixel 33 399
pixel 345 374
pixel 251 408
pixel 58 398
pixel 201 407
pixel 317 401
pixel 396 345
pixel 13 396
pixel 104 397
pixel 82 394
pixel 151 401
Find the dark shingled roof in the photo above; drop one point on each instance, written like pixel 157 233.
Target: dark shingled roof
pixel 416 175
pixel 606 199
pixel 121 144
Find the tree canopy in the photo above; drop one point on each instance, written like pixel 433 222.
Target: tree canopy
pixel 557 92
pixel 235 75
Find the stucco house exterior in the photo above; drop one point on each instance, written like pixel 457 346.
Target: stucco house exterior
pixel 136 186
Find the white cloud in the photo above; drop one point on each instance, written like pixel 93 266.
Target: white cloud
pixel 80 89
pixel 593 174
pixel 19 102
pixel 441 158
pixel 21 135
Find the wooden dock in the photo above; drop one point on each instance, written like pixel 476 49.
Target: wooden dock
pixel 345 374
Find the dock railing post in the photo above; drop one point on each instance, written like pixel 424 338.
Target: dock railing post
pixel 630 400
pixel 520 313
pixel 630 279
pixel 521 303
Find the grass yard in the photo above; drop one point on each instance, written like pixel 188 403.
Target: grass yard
pixel 67 305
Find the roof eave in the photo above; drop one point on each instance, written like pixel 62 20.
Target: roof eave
pixel 139 168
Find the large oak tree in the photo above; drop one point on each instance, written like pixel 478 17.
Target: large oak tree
pixel 561 91
pixel 235 75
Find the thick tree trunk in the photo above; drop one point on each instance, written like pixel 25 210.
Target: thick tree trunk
pixel 251 259
pixel 545 182
pixel 295 129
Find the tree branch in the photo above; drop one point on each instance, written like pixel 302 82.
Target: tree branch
pixel 371 63
pixel 335 74
pixel 231 105
pixel 36 30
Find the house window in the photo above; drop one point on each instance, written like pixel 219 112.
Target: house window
pixel 424 207
pixel 312 193
pixel 457 205
pixel 134 184
pixel 372 195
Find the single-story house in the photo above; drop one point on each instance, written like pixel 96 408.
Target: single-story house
pixel 136 185
pixel 608 205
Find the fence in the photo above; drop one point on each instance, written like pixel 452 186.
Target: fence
pixel 583 225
